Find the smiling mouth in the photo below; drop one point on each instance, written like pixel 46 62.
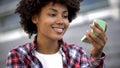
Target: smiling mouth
pixel 58 30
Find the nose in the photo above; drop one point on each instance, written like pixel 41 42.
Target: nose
pixel 60 20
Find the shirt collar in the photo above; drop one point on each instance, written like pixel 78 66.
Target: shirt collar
pixel 60 42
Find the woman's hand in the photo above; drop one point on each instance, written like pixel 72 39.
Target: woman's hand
pixel 98 41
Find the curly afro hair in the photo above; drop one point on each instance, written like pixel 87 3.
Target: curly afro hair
pixel 27 8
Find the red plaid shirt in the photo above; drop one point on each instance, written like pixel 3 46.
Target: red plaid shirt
pixel 73 57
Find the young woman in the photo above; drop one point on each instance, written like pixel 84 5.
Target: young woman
pixel 49 20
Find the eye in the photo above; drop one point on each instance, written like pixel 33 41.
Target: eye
pixel 66 16
pixel 52 15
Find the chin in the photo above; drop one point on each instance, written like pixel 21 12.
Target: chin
pixel 59 37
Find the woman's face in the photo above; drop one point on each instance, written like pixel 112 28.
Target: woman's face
pixel 52 21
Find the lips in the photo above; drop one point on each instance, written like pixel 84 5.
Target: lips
pixel 58 30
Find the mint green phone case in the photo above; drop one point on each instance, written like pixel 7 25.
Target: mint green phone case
pixel 102 25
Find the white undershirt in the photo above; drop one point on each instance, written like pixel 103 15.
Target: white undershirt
pixel 50 60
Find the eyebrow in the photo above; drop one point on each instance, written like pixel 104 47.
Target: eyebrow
pixel 57 10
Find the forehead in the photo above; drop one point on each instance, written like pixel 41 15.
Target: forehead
pixel 56 6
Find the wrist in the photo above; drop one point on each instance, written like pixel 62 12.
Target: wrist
pixel 96 55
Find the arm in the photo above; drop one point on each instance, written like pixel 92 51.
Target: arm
pixel 97 62
pixel 91 62
pixel 98 42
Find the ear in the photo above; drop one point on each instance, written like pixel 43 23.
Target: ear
pixel 35 19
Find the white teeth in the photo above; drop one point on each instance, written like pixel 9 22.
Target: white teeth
pixel 59 29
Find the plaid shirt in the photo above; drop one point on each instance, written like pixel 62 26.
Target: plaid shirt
pixel 73 57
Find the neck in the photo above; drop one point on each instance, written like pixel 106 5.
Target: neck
pixel 47 46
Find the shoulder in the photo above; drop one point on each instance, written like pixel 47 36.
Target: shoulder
pixel 23 49
pixel 17 56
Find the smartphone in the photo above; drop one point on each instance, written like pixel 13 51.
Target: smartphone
pixel 101 23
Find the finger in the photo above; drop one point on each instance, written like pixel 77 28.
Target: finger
pixel 98 26
pixel 106 28
pixel 96 39
pixel 105 38
pixel 93 39
pixel 99 32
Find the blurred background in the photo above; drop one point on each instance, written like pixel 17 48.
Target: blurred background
pixel 12 35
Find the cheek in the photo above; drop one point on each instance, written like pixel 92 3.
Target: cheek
pixel 67 24
pixel 44 26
